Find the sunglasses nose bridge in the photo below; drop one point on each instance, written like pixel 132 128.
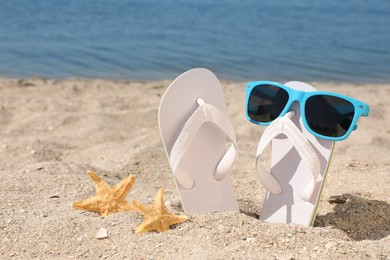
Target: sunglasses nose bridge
pixel 295 98
pixel 299 96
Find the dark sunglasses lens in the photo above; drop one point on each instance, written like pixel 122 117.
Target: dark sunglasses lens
pixel 266 102
pixel 329 116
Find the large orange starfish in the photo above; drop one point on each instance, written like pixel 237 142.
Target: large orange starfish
pixel 108 199
pixel 156 216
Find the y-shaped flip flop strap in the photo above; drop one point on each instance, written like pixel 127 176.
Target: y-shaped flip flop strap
pixel 285 126
pixel 204 113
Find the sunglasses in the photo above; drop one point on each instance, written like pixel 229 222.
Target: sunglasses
pixel 326 115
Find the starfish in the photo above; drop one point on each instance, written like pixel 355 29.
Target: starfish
pixel 156 216
pixel 108 199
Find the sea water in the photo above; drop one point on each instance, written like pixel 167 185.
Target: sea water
pixel 276 40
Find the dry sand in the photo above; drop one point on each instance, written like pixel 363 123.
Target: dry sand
pixel 53 131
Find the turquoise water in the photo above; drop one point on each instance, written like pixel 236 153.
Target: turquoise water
pixel 277 40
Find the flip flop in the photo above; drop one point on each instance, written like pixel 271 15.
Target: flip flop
pixel 299 166
pixel 194 127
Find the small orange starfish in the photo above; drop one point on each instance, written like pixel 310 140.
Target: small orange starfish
pixel 156 216
pixel 108 199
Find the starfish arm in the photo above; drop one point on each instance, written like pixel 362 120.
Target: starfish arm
pixel 123 188
pixel 91 204
pixel 159 203
pixel 101 187
pixel 174 219
pixel 141 228
pixel 141 208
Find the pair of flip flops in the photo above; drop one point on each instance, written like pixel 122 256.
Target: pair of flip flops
pixel 194 127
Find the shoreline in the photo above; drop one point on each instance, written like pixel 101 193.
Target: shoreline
pixel 222 80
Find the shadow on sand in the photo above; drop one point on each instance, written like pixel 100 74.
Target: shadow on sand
pixel 358 217
pixel 248 208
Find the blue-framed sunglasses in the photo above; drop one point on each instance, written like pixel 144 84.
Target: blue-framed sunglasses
pixel 326 115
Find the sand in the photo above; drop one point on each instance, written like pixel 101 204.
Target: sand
pixel 53 131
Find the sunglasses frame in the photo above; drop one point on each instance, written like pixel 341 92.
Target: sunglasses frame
pixel 361 109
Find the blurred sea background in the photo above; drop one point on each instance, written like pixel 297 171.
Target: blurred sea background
pixel 333 40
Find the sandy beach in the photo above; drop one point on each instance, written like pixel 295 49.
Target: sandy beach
pixel 53 131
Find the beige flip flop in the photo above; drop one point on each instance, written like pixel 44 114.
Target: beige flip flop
pixel 194 128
